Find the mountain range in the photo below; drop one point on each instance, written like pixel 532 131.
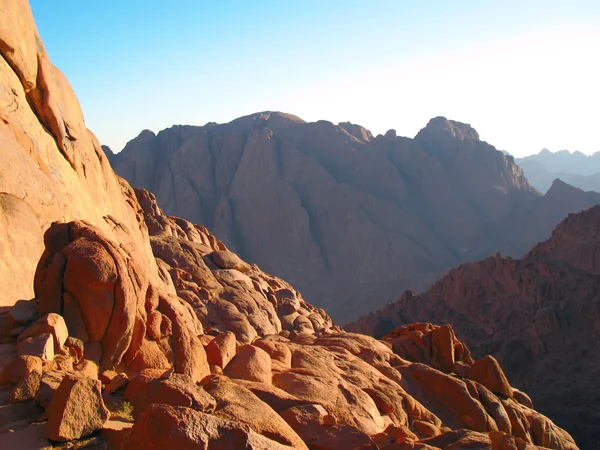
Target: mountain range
pixel 348 218
pixel 576 169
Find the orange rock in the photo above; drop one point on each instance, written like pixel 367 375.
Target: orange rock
pixel 250 363
pixel 20 368
pixel 309 422
pixel 115 432
pixel 76 348
pixel 48 385
pixel 149 356
pixel 235 402
pixel 118 382
pixel 488 372
pixel 164 426
pixel 443 347
pixel 227 260
pixel 278 351
pixel 51 323
pixel 176 390
pixel 88 369
pixel 221 349
pixel 27 388
pixel 107 376
pixel 76 409
pixel 41 346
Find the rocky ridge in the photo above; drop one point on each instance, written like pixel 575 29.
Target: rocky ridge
pixel 349 219
pixel 539 316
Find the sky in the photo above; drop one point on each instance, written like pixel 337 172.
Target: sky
pixel 525 74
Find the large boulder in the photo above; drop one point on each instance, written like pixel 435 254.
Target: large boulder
pixel 163 426
pixel 176 390
pixel 76 409
pixel 250 363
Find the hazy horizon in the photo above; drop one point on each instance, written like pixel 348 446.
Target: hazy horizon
pixel 523 75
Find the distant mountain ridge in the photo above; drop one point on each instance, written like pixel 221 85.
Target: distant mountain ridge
pixel 348 218
pixel 575 168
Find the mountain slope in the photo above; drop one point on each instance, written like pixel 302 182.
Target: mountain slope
pixel 539 316
pixel 348 218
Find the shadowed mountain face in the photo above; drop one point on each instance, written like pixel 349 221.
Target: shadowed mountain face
pixel 349 219
pixel 575 168
pixel 539 316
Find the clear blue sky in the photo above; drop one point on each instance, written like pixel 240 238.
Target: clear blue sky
pixel 523 73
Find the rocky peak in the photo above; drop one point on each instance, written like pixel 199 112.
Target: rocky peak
pixel 359 132
pixel 440 127
pixel 270 119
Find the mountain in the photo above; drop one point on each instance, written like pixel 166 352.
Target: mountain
pixel 348 218
pixel 575 168
pixel 125 328
pixel 539 316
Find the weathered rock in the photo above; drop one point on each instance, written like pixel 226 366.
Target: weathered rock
pixel 48 385
pixel 118 382
pixel 221 349
pixel 27 388
pixel 164 426
pixel 51 323
pixel 176 390
pixel 20 368
pixel 41 346
pixel 76 409
pixel 235 402
pixel 227 260
pixel 488 372
pixel 250 363
pixel 115 431
pixel 309 422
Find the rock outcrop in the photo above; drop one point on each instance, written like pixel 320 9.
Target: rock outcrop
pixel 539 316
pixel 349 219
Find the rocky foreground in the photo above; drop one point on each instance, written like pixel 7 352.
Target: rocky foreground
pixel 124 328
pixel 223 355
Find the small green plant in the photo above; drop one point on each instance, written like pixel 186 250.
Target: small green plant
pixel 125 410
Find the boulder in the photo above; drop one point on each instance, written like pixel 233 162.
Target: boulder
pixel 48 385
pixel 164 426
pixel 250 363
pixel 76 409
pixel 51 323
pixel 309 422
pixel 488 372
pixel 221 349
pixel 20 368
pixel 41 346
pixel 27 388
pixel 235 402
pixel 227 260
pixel 176 390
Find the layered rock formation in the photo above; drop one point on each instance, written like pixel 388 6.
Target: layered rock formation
pixel 349 219
pixel 539 316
